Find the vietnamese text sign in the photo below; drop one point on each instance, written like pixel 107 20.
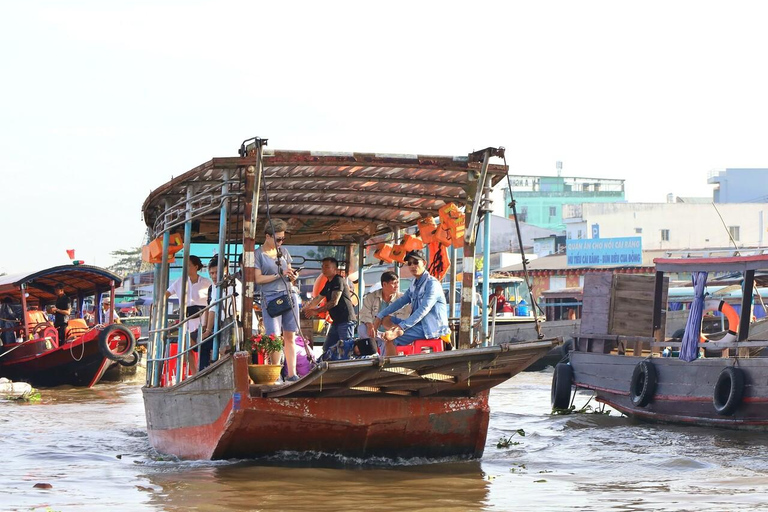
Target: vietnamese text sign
pixel 605 251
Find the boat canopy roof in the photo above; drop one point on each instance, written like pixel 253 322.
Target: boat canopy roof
pixel 326 198
pixel 74 278
pixel 722 264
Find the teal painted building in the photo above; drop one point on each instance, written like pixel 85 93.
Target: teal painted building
pixel 540 199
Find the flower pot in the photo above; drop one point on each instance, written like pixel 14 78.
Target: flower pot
pixel 264 373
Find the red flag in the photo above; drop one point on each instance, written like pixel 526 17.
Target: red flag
pixel 71 253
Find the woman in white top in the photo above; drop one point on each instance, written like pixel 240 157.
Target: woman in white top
pixel 197 294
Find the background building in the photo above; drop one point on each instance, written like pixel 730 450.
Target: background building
pixel 740 185
pixel 540 199
pixel 670 225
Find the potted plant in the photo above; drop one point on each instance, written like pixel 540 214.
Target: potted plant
pixel 264 345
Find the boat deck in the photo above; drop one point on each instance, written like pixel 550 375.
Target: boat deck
pixel 451 373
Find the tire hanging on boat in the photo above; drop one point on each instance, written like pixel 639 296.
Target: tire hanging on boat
pixel 642 387
pixel 562 380
pixel 729 391
pixel 122 339
pixel 131 359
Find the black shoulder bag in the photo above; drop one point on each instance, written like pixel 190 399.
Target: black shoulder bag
pixel 281 304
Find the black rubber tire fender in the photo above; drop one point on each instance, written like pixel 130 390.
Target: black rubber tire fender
pixel 123 349
pixel 642 387
pixel 729 391
pixel 130 360
pixel 562 380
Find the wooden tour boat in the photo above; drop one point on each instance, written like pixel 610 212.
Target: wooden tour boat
pixel 432 404
pixel 624 356
pixel 32 351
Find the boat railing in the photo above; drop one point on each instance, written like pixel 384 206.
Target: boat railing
pixel 188 346
pixel 204 201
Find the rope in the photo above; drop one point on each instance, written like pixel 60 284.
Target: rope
pixel 534 304
pixel 286 283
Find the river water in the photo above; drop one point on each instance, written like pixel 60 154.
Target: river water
pixel 91 446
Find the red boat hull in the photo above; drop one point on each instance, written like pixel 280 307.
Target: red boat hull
pixel 213 417
pixel 79 363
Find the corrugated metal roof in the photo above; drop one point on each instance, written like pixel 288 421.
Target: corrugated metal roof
pixel 324 197
pixel 41 283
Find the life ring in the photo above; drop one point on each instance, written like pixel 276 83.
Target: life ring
pixel 116 342
pixel 730 314
pixel 729 391
pixel 561 386
pixel 643 384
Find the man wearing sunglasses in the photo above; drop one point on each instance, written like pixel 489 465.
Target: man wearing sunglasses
pixel 429 313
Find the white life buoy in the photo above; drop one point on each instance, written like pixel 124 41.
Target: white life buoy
pixel 730 314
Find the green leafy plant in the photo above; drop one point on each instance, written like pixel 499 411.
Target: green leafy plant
pixel 506 442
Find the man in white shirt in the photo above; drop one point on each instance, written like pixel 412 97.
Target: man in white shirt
pixel 106 308
pixel 229 308
pixel 377 300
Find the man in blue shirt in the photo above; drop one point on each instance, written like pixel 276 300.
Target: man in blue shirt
pixel 429 313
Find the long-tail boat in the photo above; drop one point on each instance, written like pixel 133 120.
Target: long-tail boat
pixel 428 404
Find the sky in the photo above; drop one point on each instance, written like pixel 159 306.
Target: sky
pixel 101 102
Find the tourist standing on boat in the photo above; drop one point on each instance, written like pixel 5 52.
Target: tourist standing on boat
pixel 197 296
pixel 61 310
pixel 229 308
pixel 377 300
pixel 429 317
pixel 338 303
pixel 274 275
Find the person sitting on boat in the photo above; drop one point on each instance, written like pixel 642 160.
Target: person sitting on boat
pixel 197 294
pixel 375 301
pixel 229 309
pixel 429 317
pixel 338 303
pixel 106 308
pixel 274 275
pixel 62 309
pixel 498 296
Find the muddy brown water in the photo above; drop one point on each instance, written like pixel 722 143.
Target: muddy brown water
pixel 91 446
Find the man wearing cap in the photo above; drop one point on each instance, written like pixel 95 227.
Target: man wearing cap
pixel 62 310
pixel 429 317
pixel 106 308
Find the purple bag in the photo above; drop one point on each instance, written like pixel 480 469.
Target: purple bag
pixel 303 366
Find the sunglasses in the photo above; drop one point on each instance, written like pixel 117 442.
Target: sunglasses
pixel 279 238
pixel 412 262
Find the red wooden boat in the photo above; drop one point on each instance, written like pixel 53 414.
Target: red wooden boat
pixel 428 404
pixel 624 356
pixel 32 351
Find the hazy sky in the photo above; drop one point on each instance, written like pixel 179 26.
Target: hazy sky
pixel 102 101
